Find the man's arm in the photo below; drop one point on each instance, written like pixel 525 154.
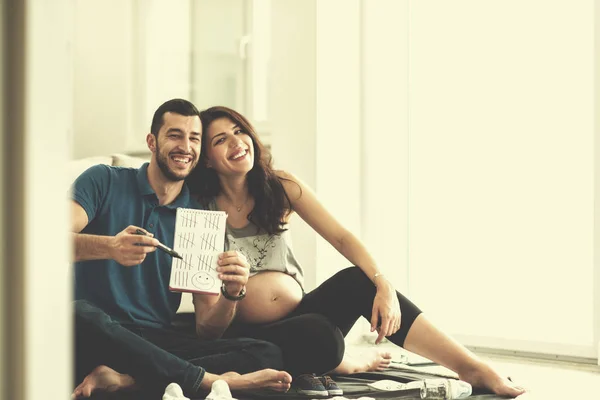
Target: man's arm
pixel 126 247
pixel 215 313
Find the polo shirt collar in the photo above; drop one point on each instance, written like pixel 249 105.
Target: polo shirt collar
pixel 182 200
pixel 142 180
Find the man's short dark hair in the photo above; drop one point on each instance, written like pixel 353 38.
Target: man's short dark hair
pixel 177 106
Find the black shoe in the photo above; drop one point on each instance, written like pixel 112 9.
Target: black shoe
pixel 329 384
pixel 309 385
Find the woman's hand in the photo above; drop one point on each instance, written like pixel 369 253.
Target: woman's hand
pixel 234 271
pixel 386 310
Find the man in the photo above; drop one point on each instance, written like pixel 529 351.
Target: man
pixel 123 333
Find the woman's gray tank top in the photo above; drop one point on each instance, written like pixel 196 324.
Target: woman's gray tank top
pixel 264 252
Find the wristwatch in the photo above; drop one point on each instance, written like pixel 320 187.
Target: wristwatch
pixel 230 297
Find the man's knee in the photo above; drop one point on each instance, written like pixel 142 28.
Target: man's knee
pixel 267 354
pixel 89 316
pixel 84 308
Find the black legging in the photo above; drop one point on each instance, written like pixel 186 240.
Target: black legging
pixel 312 336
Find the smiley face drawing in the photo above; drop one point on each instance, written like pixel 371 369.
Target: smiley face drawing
pixel 203 281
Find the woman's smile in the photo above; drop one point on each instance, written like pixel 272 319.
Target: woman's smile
pixel 239 155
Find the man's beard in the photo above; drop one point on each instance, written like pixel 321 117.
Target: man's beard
pixel 163 163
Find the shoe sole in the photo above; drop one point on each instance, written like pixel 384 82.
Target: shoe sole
pixel 313 392
pixel 338 392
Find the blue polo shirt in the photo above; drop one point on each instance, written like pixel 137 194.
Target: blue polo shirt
pixel 114 198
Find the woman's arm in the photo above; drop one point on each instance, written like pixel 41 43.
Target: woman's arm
pixel 215 313
pixel 304 202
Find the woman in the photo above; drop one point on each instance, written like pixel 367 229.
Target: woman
pixel 235 175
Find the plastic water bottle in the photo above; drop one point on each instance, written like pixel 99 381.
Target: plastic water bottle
pixel 442 389
pixel 435 389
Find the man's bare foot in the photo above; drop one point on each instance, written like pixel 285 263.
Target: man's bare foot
pixel 265 378
pixel 104 379
pixel 483 376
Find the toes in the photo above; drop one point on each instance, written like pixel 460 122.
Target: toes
pixel 511 392
pixel 512 389
pixel 385 361
pixel 279 376
pixel 87 391
pixel 280 386
pixel 83 390
pixel 507 388
pixel 284 377
pixel 516 390
pixel 524 396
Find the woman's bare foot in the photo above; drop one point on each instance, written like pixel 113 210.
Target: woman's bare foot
pixel 104 379
pixel 379 361
pixel 428 341
pixel 265 378
pixel 483 376
pixel 373 361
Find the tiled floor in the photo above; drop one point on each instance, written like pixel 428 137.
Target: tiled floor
pixel 546 380
pixel 549 379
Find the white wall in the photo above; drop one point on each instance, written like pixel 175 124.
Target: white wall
pixel 501 168
pixel 316 118
pixel 217 68
pixel 162 62
pixel 126 64
pixel 338 130
pixel 103 76
pixel 294 117
pixel 385 136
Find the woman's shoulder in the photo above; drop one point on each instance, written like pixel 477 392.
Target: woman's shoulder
pixel 291 184
pixel 281 174
pixel 288 177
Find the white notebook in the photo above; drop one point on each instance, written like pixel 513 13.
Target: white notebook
pixel 199 239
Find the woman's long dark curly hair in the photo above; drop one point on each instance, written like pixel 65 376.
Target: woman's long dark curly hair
pixel 271 202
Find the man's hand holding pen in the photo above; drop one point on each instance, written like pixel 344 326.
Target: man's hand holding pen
pixel 129 248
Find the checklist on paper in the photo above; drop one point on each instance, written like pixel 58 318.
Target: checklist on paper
pixel 199 239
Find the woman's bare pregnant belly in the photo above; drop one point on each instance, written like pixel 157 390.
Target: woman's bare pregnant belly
pixel 270 296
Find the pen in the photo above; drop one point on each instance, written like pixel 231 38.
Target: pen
pixel 161 246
